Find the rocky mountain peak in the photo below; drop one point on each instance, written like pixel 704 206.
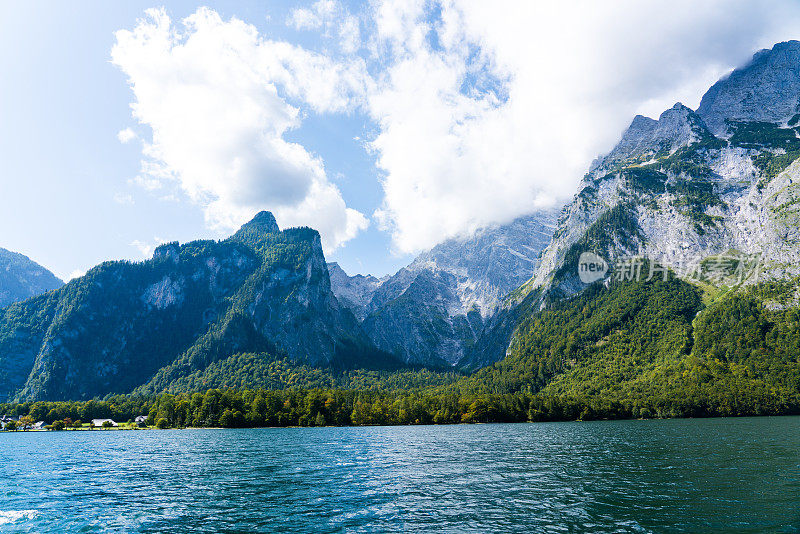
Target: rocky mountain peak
pixel 645 137
pixel 767 89
pixel 353 292
pixel 671 189
pixel 168 251
pixel 263 223
pixel 431 311
pixel 156 323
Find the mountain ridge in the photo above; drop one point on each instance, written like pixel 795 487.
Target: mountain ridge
pixel 676 193
pixel 689 189
pixel 126 326
pixel 432 311
pixel 763 90
pixel 22 278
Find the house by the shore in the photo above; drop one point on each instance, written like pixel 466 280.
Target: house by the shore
pixel 99 422
pixel 4 420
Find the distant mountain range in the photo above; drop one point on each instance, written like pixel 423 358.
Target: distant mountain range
pixel 712 195
pixel 21 278
pixel 432 311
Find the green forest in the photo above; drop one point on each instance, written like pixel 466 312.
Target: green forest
pixel 641 349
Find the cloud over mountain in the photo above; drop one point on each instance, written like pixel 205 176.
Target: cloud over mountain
pixel 220 99
pixel 487 110
pixel 476 112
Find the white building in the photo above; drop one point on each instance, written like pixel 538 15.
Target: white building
pixel 99 422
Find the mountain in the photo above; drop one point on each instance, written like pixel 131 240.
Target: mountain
pixel 668 286
pixel 653 348
pixel 690 191
pixel 353 292
pixel 646 137
pixel 432 311
pixel 711 196
pixel 764 90
pixel 141 326
pixel 21 278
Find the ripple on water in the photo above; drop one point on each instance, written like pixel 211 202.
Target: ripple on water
pixel 627 476
pixel 14 516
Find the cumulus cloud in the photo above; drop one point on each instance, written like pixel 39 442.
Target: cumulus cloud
pixel 488 110
pixel 219 99
pixel 333 18
pixel 126 135
pixel 146 248
pixel 479 112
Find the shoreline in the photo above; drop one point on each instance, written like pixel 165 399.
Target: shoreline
pixel 45 430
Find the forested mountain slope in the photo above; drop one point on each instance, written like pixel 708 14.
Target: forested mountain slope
pixel 143 325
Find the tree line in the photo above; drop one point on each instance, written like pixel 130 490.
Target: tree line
pixel 335 407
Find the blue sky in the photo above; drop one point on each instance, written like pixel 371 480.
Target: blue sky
pixel 67 201
pixel 389 126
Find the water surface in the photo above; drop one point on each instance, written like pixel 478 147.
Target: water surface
pixel 703 475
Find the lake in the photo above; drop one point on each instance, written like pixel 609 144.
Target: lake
pixel 702 475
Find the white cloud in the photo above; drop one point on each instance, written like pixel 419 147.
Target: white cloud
pixel 311 19
pixel 337 22
pixel 145 248
pixel 123 198
pixel 481 111
pixel 349 34
pixel 146 182
pixel 219 99
pixel 486 110
pixel 126 135
pixel 77 273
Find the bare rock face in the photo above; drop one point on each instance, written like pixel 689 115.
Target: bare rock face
pixel 646 138
pixel 418 325
pixel 682 189
pixel 764 90
pixel 353 292
pixel 432 311
pixel 493 262
pixel 21 278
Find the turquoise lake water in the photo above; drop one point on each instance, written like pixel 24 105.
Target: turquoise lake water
pixel 712 475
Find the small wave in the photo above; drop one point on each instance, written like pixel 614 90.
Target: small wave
pixel 12 516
